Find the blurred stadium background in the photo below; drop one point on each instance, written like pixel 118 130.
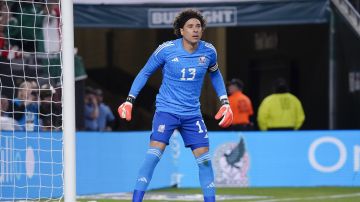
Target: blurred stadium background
pixel 256 41
pixel 314 44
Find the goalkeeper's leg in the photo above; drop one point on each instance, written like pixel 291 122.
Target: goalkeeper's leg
pixel 163 126
pixel 152 157
pixel 206 174
pixel 194 133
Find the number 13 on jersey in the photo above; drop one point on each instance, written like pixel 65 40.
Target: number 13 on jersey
pixel 188 74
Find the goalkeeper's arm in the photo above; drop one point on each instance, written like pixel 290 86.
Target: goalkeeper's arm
pixel 225 111
pixel 150 67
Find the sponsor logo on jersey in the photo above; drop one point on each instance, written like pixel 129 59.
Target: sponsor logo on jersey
pixel 161 128
pixel 175 59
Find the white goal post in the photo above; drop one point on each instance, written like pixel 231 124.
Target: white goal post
pixel 69 100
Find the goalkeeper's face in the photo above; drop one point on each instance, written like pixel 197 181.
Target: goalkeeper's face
pixel 192 31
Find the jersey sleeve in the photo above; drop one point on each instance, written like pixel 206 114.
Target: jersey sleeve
pixel 215 74
pixel 213 65
pixel 218 84
pixel 156 60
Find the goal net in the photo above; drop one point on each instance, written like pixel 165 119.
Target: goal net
pixel 31 139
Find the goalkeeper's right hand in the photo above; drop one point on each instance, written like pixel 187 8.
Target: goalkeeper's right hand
pixel 125 108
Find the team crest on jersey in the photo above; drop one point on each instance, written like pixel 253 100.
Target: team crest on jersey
pixel 202 60
pixel 161 128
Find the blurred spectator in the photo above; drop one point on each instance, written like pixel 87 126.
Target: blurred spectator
pixel 29 17
pixel 51 27
pixel 7 123
pixel 91 110
pixel 280 110
pixel 4 10
pixel 51 46
pixel 6 21
pixel 106 117
pixel 26 106
pixel 51 42
pixel 50 109
pixel 240 105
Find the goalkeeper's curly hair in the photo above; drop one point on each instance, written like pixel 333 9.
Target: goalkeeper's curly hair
pixel 184 16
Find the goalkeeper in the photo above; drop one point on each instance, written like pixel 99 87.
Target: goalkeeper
pixel 184 62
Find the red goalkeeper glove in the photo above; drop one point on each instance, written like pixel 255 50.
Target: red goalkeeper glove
pixel 125 108
pixel 226 114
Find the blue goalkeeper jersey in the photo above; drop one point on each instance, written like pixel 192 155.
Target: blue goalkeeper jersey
pixel 183 76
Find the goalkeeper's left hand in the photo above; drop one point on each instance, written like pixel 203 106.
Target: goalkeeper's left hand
pixel 125 108
pixel 226 114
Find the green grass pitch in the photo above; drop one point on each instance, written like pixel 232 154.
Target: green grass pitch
pixel 274 194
